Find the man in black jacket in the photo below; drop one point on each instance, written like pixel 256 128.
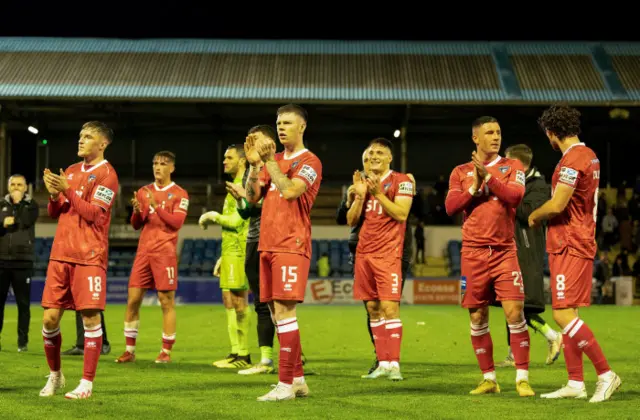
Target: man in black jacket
pixel 407 252
pixel 531 243
pixel 18 215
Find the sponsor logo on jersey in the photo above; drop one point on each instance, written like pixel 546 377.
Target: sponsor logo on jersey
pixel 503 169
pixel 568 176
pixel 184 204
pixel 405 188
pixel 308 173
pixel 520 178
pixel 104 195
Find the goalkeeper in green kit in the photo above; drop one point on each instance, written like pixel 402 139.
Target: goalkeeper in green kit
pixel 230 266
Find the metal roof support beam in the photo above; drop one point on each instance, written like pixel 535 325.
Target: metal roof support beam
pixel 506 72
pixel 602 60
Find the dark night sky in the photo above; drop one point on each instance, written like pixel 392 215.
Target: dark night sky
pixel 284 20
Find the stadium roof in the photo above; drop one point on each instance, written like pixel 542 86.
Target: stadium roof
pixel 320 71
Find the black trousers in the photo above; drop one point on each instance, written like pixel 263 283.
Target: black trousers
pixel 266 329
pixel 20 281
pixel 80 330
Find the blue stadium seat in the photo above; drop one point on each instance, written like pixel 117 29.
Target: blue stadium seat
pixel 200 244
pixel 209 254
pixel 323 247
pixel 346 269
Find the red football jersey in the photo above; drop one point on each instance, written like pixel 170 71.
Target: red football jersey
pixel 157 237
pixel 488 220
pixel 285 226
pixel 380 233
pixel 575 227
pixel 78 240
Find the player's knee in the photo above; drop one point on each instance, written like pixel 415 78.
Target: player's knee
pixel 563 317
pixel 91 318
pixel 167 300
pixel 479 316
pixel 51 320
pixel 390 310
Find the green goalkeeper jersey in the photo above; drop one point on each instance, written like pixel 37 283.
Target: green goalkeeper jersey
pixel 234 227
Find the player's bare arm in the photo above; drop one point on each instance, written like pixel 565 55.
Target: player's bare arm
pixel 290 189
pixel 397 209
pixel 351 194
pixel 253 188
pixel 360 191
pixel 554 206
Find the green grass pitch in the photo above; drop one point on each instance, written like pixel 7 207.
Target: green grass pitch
pixel 438 364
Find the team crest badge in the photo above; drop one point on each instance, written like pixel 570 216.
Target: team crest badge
pixel 92 177
pixel 170 196
pixel 294 164
pixel 503 169
pixel 386 186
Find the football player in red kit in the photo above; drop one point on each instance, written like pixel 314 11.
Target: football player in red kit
pixel 81 198
pixel 289 182
pixel 571 244
pixel 385 197
pixel 488 190
pixel 159 209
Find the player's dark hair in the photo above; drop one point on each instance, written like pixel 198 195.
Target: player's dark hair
pixel 483 120
pixel 170 156
pixel 293 108
pixel 522 152
pixel 561 120
pixel 266 130
pixel 382 142
pixel 239 148
pixel 101 128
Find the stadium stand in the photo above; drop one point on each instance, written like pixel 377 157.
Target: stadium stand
pixel 198 257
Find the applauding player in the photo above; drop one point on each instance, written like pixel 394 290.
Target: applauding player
pixel 81 199
pixel 571 245
pixel 289 182
pixel 386 198
pixel 488 190
pixel 230 266
pixel 159 209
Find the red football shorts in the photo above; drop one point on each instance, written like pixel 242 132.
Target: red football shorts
pixel 154 272
pixel 377 277
pixel 492 275
pixel 74 286
pixel 571 278
pixel 283 276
